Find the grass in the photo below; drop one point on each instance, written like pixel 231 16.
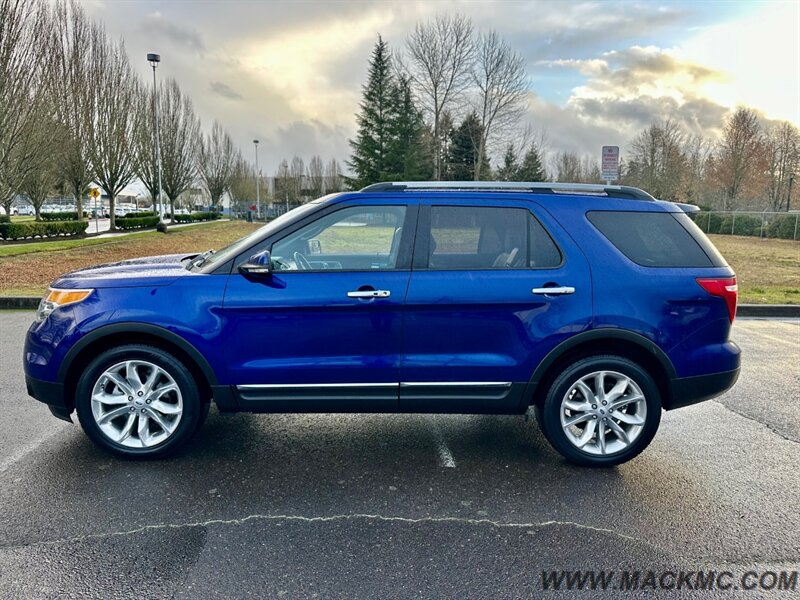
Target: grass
pixel 29 273
pixel 768 270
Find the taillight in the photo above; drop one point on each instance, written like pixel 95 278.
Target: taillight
pixel 724 287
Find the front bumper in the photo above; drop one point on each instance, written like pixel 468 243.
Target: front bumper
pixel 691 390
pixel 52 394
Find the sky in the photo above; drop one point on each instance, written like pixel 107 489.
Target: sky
pixel 289 73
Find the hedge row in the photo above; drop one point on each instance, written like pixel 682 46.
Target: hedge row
pixel 60 216
pixel 33 229
pixel 775 226
pixel 136 222
pixel 5 219
pixel 201 216
pixel 134 215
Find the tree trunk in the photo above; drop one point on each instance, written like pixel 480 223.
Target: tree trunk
pixel 111 212
pixel 38 212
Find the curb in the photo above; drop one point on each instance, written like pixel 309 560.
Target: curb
pixel 743 310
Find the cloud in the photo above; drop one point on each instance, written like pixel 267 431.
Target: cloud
pixel 225 90
pixel 156 26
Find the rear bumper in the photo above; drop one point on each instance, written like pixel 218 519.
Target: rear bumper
pixel 691 390
pixel 52 394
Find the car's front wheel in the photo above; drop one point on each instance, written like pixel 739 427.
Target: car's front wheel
pixel 138 401
pixel 601 411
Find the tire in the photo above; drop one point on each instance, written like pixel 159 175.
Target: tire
pixel 133 420
pixel 637 419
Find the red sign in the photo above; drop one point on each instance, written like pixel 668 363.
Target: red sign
pixel 610 163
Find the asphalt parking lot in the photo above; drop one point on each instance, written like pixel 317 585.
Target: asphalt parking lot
pixel 407 506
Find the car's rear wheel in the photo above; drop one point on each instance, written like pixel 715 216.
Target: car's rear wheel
pixel 139 402
pixel 601 411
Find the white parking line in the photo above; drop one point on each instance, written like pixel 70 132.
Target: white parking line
pixel 445 456
pixel 770 337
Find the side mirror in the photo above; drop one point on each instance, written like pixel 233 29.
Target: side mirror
pixel 258 264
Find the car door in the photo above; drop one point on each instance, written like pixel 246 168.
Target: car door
pixel 494 287
pixel 322 332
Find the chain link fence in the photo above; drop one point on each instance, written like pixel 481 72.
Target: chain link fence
pixel 780 225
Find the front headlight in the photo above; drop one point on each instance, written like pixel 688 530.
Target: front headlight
pixel 57 298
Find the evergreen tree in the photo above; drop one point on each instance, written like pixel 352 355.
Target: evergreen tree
pixel 408 157
pixel 532 168
pixel 372 146
pixel 510 169
pixel 463 151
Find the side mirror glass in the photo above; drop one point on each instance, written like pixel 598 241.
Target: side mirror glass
pixel 314 246
pixel 258 264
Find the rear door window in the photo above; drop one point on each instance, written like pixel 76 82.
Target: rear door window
pixel 476 237
pixel 657 239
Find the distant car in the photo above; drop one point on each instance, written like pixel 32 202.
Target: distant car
pixel 593 306
pixel 26 210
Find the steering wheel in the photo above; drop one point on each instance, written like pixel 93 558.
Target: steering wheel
pixel 302 262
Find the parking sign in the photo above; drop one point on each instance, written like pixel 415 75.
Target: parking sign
pixel 610 163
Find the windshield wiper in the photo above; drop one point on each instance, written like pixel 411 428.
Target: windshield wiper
pixel 199 259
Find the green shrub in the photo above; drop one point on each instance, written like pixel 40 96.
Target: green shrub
pixel 42 229
pixel 708 223
pixel 60 216
pixel 136 222
pixel 136 215
pixel 5 219
pixel 201 216
pixel 743 225
pixel 783 226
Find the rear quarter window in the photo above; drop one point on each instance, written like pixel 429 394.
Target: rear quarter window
pixel 657 239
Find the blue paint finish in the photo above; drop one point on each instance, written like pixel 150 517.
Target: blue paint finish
pixel 436 326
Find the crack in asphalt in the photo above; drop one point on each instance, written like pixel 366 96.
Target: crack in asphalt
pixel 754 420
pixel 321 519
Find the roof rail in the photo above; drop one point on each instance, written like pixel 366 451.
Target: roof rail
pixel 614 191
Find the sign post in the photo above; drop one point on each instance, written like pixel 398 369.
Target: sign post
pixel 95 194
pixel 610 163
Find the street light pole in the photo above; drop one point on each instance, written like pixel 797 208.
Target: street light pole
pixel 154 59
pixel 258 191
pixel 789 194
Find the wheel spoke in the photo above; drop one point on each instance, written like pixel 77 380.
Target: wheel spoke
pixel 160 391
pixel 577 406
pixel 117 380
pixel 586 391
pixel 151 380
pixel 599 383
pixel 125 432
pixel 578 419
pixel 110 399
pixel 113 414
pixel 627 419
pixel 618 389
pixel 587 434
pixel 162 422
pixel 144 429
pixel 618 431
pixel 625 401
pixel 132 375
pixel 601 437
pixel 165 408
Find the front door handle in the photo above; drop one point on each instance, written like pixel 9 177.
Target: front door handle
pixel 553 291
pixel 369 294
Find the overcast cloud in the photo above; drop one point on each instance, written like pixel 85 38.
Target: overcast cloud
pixel 289 73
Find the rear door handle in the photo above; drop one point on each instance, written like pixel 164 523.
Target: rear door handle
pixel 553 291
pixel 369 294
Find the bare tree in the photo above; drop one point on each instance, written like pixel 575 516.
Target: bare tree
pixel 657 162
pixel 334 181
pixel 116 119
pixel 297 171
pixel 45 176
pixel 215 162
pixel 502 84
pixel 180 138
pixel 782 155
pixel 441 53
pixel 243 185
pixel 25 66
pixel 75 38
pixel 316 177
pixel 283 183
pixel 567 167
pixel 735 161
pixel 145 159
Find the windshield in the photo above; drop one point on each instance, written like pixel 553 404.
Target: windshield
pixel 209 261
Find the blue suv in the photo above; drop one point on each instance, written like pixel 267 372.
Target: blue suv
pixel 594 306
